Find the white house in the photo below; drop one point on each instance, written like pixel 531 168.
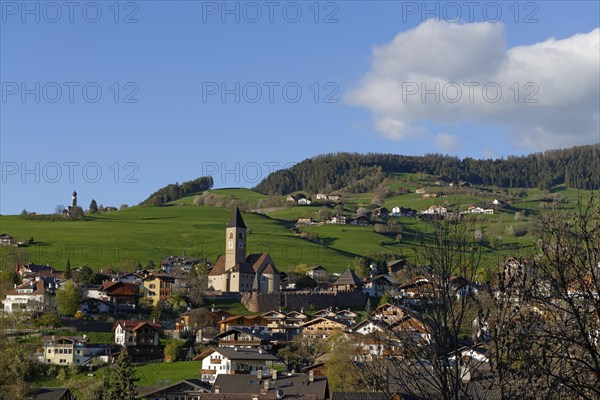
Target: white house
pixel 317 272
pixel 73 350
pixel 377 286
pixel 7 240
pixel 480 210
pixel 36 295
pixel 321 196
pixel 304 202
pixel 94 292
pixel 435 210
pixel 132 278
pixel 233 360
pixel 337 219
pixel 395 211
pixel 95 306
pixel 368 326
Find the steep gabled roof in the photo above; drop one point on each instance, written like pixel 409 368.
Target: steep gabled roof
pixel 243 268
pixel 110 286
pixel 49 393
pixel 134 325
pixel 256 259
pixel 236 220
pixel 348 278
pixel 218 268
pixel 270 270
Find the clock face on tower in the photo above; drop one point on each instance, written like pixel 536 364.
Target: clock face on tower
pixel 241 244
pixel 231 245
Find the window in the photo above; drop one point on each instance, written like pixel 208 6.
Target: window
pixel 230 235
pixel 49 351
pixel 152 286
pixel 240 236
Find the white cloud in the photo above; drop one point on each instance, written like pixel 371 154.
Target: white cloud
pixel 437 72
pixel 447 142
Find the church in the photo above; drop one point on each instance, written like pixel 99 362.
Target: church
pixel 238 272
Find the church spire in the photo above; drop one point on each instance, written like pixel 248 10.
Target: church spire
pixel 236 220
pixel 235 239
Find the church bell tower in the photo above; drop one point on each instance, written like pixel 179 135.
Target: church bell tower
pixel 235 240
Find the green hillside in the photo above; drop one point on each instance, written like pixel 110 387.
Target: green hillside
pixel 139 234
pixel 148 233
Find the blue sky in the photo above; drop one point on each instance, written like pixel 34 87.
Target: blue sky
pixel 162 116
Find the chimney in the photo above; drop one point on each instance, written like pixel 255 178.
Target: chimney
pixel 259 374
pixel 311 376
pixel 260 350
pixel 266 385
pixel 217 389
pixel 274 374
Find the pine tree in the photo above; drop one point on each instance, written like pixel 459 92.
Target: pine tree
pixel 120 383
pixel 68 269
pixel 190 354
pixel 368 307
pixel 93 207
pixel 67 299
pixel 385 299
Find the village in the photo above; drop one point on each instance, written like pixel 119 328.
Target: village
pixel 279 341
pixel 239 353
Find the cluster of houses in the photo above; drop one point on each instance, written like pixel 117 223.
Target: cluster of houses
pixel 302 200
pixel 363 220
pixel 119 292
pixel 240 356
pixel 8 240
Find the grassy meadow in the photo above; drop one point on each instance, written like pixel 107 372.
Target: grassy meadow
pixel 142 233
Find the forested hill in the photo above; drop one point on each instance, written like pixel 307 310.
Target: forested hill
pixel 576 167
pixel 176 191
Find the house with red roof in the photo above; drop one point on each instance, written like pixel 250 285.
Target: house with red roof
pixel 35 295
pixel 140 338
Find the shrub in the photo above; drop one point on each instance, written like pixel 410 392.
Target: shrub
pixel 173 351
